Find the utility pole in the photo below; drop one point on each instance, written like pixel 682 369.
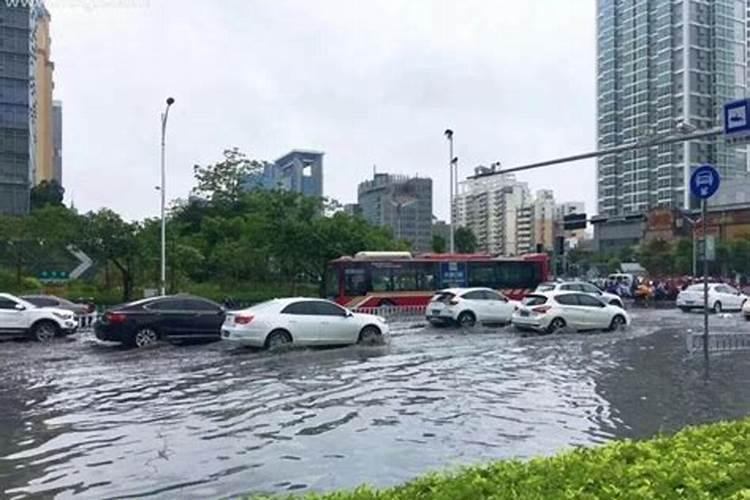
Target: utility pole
pixel 449 136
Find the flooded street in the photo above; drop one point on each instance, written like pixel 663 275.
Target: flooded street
pixel 82 419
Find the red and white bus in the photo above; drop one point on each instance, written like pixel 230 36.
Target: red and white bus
pixel 378 279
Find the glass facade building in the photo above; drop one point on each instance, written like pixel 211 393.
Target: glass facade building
pixel 662 63
pixel 17 131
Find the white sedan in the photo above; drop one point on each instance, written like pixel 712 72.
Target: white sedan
pixel 580 286
pixel 721 297
pixel 301 321
pixel 467 306
pixel 553 311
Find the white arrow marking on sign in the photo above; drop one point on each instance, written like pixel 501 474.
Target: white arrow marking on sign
pixel 85 264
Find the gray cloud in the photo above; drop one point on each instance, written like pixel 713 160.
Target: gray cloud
pixel 367 82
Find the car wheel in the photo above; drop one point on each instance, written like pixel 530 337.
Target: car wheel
pixel 717 307
pixel 467 319
pixel 747 318
pixel 145 337
pixel 44 331
pixel 557 324
pixel 685 309
pixel 618 322
pixel 370 335
pixel 278 338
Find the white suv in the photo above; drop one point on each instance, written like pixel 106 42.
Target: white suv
pixel 18 317
pixel 467 306
pixel 580 286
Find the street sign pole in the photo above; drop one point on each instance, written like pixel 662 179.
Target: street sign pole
pixel 703 184
pixel 704 211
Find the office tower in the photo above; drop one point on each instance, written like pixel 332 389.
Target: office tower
pixel 298 171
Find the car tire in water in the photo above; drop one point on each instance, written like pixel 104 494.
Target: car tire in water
pixel 556 325
pixel 144 337
pixel 467 319
pixel 618 322
pixel 717 307
pixel 370 335
pixel 685 309
pixel 44 331
pixel 278 338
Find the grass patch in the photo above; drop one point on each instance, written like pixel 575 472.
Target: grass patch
pixel 706 462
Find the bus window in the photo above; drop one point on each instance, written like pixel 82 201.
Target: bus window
pixel 518 275
pixel 381 280
pixel 355 282
pixel 404 278
pixel 332 283
pixel 483 274
pixel 426 277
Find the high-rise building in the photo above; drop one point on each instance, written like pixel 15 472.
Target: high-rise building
pixel 543 222
pixel 44 67
pixel 662 63
pixel 57 119
pixel 495 208
pixel 298 171
pixel 404 204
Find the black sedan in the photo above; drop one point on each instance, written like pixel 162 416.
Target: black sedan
pixel 175 318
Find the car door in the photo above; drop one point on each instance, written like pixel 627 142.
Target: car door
pixel 593 312
pixel 12 320
pixel 302 321
pixel 337 326
pixel 169 317
pixel 733 297
pixel 206 318
pixel 499 307
pixel 572 312
pixel 475 302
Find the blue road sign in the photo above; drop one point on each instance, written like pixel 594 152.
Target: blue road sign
pixel 737 119
pixel 704 182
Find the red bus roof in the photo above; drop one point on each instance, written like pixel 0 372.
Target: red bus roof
pixel 447 257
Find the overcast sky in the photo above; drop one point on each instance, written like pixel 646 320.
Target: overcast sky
pixel 368 83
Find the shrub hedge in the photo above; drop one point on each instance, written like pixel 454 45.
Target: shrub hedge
pixel 706 462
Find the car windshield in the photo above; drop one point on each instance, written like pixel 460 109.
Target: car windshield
pixel 534 300
pixel 443 297
pixel 546 287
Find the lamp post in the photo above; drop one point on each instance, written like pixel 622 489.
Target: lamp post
pixel 449 136
pixel 163 277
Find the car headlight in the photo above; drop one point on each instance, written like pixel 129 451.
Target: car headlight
pixel 62 316
pixel 382 319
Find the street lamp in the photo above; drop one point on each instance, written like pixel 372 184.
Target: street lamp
pixel 449 136
pixel 163 277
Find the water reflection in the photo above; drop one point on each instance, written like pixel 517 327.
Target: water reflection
pixel 88 420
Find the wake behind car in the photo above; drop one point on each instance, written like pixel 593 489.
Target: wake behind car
pixel 580 286
pixel 467 306
pixel 301 321
pixel 174 318
pixel 721 297
pixel 21 318
pixel 550 312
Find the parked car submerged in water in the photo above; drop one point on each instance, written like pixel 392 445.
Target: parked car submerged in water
pixel 21 318
pixel 551 312
pixel 721 297
pixel 175 318
pixel 301 321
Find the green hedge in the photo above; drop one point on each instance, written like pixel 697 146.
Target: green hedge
pixel 708 462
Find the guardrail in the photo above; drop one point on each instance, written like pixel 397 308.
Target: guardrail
pixel 395 313
pixel 86 321
pixel 718 342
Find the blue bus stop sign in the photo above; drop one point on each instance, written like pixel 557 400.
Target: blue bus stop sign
pixel 704 182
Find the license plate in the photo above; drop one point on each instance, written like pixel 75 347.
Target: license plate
pixel 436 312
pixel 689 301
pixel 525 314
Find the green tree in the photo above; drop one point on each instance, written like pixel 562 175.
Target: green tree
pixel 656 256
pixel 464 240
pixel 47 193
pixel 225 181
pixel 683 257
pixel 438 244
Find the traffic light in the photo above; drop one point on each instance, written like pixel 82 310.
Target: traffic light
pixel 574 221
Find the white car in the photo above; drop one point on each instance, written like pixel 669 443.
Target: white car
pixel 21 318
pixel 721 297
pixel 301 321
pixel 550 312
pixel 467 306
pixel 580 286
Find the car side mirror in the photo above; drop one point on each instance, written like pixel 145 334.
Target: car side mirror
pixel 20 307
pixel 349 314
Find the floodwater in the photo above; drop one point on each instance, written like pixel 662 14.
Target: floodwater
pixel 83 419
